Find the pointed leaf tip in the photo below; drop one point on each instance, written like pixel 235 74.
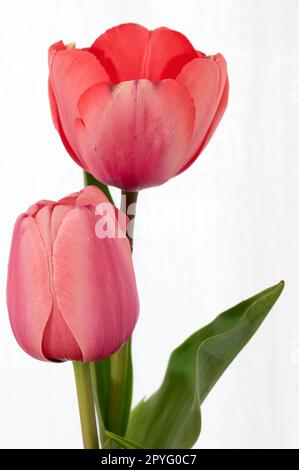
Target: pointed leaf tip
pixel 171 417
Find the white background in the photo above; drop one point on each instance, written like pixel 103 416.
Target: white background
pixel 222 231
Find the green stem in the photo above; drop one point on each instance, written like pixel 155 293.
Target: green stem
pixel 86 405
pixel 121 370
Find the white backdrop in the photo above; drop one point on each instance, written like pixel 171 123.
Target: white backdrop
pixel 232 220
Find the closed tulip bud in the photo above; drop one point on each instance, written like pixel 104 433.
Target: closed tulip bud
pixel 137 107
pixel 71 293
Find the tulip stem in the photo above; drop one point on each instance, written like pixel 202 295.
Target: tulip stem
pixel 86 405
pixel 121 369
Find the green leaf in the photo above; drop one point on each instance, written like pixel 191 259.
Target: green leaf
pixel 121 442
pixel 171 417
pixel 120 390
pixel 90 180
pixel 107 398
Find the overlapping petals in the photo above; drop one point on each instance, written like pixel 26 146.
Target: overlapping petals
pixel 138 106
pixel 71 295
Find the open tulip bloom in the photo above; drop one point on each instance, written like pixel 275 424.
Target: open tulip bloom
pixel 133 110
pixel 137 107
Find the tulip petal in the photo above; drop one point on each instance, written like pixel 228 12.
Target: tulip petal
pixel 135 135
pixel 130 52
pixel 95 285
pixel 58 125
pixel 58 342
pixel 91 195
pixel 218 116
pixel 205 79
pixel 171 48
pixel 70 199
pixel 72 72
pixel 43 221
pixel 53 107
pixel 58 214
pixel 29 297
pixel 32 210
pixel 58 46
pixel 53 50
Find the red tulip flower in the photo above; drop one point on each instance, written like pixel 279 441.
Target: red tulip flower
pixel 71 295
pixel 137 107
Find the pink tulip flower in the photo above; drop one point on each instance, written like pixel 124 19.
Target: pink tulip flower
pixel 71 294
pixel 137 107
